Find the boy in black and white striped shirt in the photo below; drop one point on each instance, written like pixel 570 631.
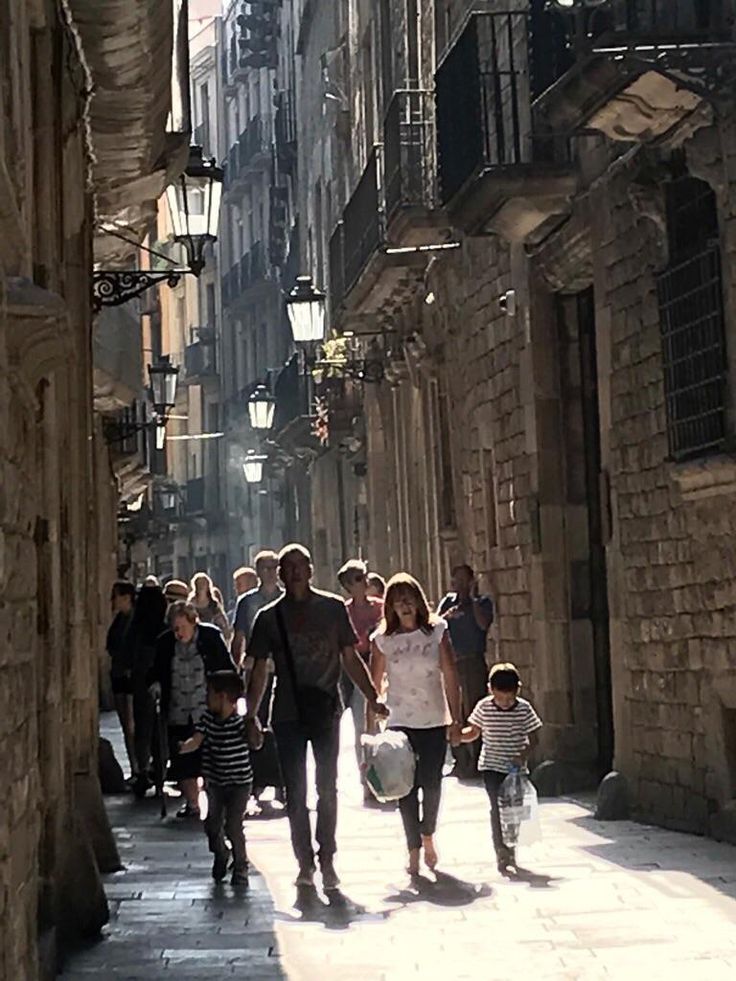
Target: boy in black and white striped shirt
pixel 507 726
pixel 226 767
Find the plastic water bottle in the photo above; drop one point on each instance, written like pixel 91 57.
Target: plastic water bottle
pixel 514 805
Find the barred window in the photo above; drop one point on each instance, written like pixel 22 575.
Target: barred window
pixel 692 323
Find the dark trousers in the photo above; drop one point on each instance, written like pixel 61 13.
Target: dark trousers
pixel 143 721
pixel 292 740
pixel 473 676
pixel 225 813
pixel 430 746
pixel 493 780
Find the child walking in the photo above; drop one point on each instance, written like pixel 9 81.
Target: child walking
pixel 226 767
pixel 507 726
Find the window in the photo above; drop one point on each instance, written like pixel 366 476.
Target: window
pixel 692 323
pixel 204 128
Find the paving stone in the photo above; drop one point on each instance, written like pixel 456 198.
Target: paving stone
pixel 609 901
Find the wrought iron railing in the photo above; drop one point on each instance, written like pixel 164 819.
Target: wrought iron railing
pixel 285 130
pixel 200 359
pixel 336 260
pixel 231 284
pixel 694 353
pixel 409 151
pixel 195 495
pixel 669 18
pixel 363 219
pixel 484 90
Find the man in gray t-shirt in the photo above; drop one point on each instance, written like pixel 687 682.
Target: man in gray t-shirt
pixel 309 636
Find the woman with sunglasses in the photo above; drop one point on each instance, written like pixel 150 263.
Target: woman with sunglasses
pixel 365 614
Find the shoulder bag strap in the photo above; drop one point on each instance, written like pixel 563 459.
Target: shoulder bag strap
pixel 288 657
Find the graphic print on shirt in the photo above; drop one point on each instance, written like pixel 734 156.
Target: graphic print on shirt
pixel 416 691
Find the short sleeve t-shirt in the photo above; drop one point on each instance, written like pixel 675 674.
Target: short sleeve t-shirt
pixel 317 629
pixel 365 618
pixel 466 636
pixel 504 732
pixel 416 691
pixel 248 607
pixel 225 753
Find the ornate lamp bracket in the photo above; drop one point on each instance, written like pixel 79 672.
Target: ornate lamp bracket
pixel 110 288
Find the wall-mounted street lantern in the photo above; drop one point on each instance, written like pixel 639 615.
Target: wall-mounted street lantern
pixel 305 305
pixel 163 377
pixel 253 467
pixel 194 204
pixel 167 499
pixel 572 4
pixel 261 409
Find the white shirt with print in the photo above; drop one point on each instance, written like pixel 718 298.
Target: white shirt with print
pixel 416 690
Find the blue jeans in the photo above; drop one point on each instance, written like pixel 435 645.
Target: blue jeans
pixel 291 741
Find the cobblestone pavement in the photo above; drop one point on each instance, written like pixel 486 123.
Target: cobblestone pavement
pixel 607 901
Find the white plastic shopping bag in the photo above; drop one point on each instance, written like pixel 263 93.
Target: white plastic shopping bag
pixel 390 764
pixel 518 807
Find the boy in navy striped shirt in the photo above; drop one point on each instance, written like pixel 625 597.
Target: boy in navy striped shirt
pixel 507 726
pixel 226 767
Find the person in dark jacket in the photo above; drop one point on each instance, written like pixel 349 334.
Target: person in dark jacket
pixel 149 620
pixel 122 601
pixel 186 655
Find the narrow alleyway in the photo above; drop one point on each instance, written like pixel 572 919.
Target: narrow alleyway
pixel 608 901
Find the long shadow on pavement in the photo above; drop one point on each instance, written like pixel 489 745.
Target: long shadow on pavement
pixel 643 848
pixel 335 912
pixel 445 890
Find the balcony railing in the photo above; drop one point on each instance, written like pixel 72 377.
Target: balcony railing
pixel 285 130
pixel 200 360
pixel 249 153
pixel 485 87
pixel 363 220
pixel 195 495
pixel 668 18
pixel 409 151
pixel 250 271
pixel 231 284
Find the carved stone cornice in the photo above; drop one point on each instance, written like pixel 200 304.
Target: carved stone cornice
pixel 38 334
pixel 565 259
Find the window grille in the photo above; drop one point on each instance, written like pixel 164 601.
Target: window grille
pixel 692 322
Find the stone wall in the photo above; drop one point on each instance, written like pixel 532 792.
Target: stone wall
pixel 673 549
pixel 56 502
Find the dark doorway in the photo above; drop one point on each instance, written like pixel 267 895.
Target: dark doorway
pixel 586 499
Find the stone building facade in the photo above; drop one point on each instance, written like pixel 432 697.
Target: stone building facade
pixel 525 216
pixel 58 495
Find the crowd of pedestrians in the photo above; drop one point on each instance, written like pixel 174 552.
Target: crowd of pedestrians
pixel 240 696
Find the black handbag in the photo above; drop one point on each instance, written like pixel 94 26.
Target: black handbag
pixel 315 707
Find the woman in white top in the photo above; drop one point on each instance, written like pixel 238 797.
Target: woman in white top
pixel 412 649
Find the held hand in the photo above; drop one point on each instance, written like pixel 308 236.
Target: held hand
pixel 254 732
pixel 154 691
pixel 455 734
pixel 379 710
